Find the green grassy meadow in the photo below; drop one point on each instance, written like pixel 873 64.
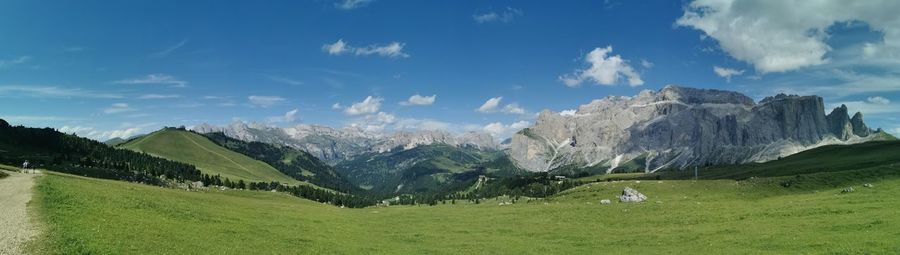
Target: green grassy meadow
pixel 207 156
pixel 91 216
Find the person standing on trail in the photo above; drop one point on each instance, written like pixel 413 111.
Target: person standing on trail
pixel 25 167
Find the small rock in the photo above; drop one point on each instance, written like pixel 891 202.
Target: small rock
pixel 630 195
pixel 847 190
pixel 605 202
pixel 868 185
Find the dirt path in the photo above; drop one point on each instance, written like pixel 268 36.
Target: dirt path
pixel 15 225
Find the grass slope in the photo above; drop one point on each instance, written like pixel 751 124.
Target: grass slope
pixel 424 168
pixel 86 215
pixel 212 159
pixel 831 158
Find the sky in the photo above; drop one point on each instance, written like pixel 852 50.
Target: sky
pixel 105 69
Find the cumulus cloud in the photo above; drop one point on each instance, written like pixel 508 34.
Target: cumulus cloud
pixel 499 130
pixel 513 109
pixel 423 124
pixel 118 108
pixel 337 106
pixel 727 72
pixel 369 105
pixel 351 4
pixel 99 135
pixel 779 36
pixel 265 101
pixel 391 50
pixel 289 116
pixel 419 100
pixel 603 70
pixel 161 79
pixel 504 16
pixel 878 100
pixel 374 123
pixel 336 48
pixel 490 105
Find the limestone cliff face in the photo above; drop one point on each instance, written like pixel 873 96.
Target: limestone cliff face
pixel 678 127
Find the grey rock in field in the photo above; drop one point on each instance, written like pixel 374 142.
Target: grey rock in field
pixel 847 190
pixel 868 185
pixel 630 195
pixel 678 128
pixel 605 202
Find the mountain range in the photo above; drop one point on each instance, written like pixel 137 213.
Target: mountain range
pixel 333 145
pixel 672 128
pixel 679 127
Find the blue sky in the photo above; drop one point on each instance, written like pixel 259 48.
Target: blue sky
pixel 107 68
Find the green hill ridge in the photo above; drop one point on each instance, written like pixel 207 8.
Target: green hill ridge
pixel 210 158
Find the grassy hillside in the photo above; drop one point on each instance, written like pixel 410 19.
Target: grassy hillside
pixel 426 168
pixel 295 163
pixel 682 217
pixel 831 158
pixel 210 158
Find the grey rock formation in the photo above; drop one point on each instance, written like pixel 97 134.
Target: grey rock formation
pixel 630 195
pixel 859 126
pixel 680 127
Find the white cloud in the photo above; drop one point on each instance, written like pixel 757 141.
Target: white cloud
pixel 779 36
pixel 419 100
pixel 490 105
pixel 162 79
pixel 337 106
pixel 16 61
pixel 392 50
pixel 569 112
pixel 336 48
pixel 165 52
pixel 351 4
pixel 291 115
pixel 285 80
pixel 369 105
pixel 646 64
pixel 51 92
pixel 158 96
pixel 878 100
pixel 423 124
pixel 868 108
pixel 603 70
pixel 265 101
pixel 513 109
pixel 499 130
pixel 374 123
pixel 727 72
pixel 93 133
pixel 118 108
pixel 504 16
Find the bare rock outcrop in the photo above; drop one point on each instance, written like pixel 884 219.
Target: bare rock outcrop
pixel 680 127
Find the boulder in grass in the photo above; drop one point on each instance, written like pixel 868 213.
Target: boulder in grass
pixel 847 190
pixel 605 202
pixel 630 195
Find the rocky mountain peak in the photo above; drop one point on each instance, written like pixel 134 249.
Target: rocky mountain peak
pixel 679 127
pixel 859 126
